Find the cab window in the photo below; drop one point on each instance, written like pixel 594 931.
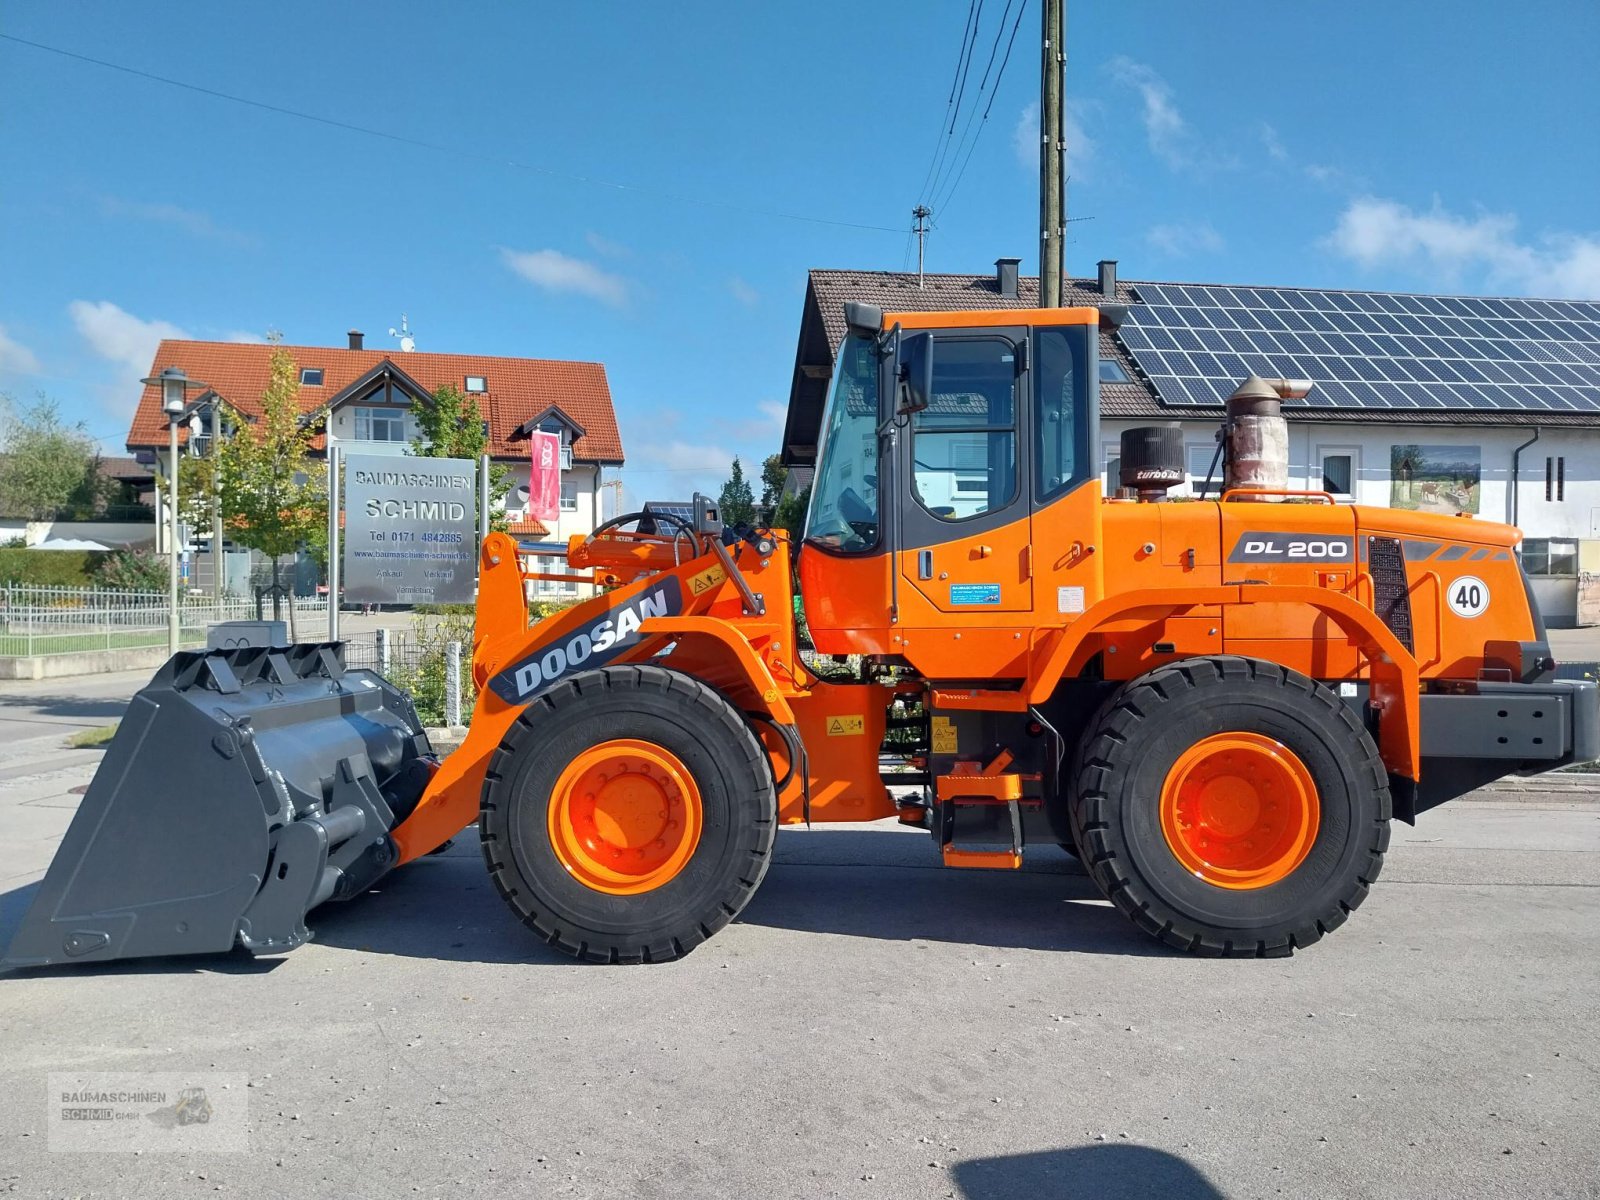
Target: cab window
pixel 964 444
pixel 1059 413
pixel 843 515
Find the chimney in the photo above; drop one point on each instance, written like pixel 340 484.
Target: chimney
pixel 1005 276
pixel 355 339
pixel 1108 278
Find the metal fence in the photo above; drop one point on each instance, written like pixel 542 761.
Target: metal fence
pixel 71 620
pixel 429 664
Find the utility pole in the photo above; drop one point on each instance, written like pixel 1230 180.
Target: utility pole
pixel 1052 154
pixel 921 212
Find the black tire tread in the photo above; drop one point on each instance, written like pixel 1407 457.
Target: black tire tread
pixel 1099 757
pixel 715 714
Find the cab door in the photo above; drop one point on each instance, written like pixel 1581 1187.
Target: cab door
pixel 963 533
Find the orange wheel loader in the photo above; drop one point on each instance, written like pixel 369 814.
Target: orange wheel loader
pixel 1218 705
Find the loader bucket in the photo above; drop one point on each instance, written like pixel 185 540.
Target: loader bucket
pixel 243 788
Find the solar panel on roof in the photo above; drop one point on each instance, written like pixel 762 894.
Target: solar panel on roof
pixel 1195 342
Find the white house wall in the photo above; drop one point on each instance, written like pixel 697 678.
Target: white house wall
pixel 1577 515
pixel 583 479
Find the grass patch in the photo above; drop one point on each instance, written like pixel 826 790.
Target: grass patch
pixel 87 739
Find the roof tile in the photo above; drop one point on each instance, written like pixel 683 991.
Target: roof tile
pixel 519 388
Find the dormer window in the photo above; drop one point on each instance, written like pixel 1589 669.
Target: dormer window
pixel 565 434
pixel 477 383
pixel 310 376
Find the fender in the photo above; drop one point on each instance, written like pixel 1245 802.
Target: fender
pixel 1395 677
pixel 513 664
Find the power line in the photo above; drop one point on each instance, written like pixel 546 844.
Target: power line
pixel 972 45
pixel 1000 32
pixel 997 35
pixel 941 143
pixel 438 147
pixel 995 91
pixel 1007 58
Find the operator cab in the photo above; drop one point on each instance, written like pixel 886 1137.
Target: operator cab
pixel 945 436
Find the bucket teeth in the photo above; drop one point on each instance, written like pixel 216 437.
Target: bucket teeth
pixel 243 788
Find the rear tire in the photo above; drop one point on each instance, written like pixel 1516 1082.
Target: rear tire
pixel 543 871
pixel 1273 733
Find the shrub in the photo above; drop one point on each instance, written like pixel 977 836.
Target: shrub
pixel 48 568
pixel 133 571
pixel 423 674
pixel 420 669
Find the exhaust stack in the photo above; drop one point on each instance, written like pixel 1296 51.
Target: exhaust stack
pixel 1257 435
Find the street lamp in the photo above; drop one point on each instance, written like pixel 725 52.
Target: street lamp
pixel 174 383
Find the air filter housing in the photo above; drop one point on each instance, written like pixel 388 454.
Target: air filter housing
pixel 1152 460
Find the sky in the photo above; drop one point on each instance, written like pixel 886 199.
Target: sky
pixel 647 185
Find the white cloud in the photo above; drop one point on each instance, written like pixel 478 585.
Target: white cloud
pixel 1451 249
pixel 1165 129
pixel 1025 137
pixel 244 336
pixel 119 336
pixel 763 428
pixel 191 221
pixel 605 246
pixel 743 292
pixel 1080 146
pixel 557 272
pixel 1274 144
pixel 1180 239
pixel 15 358
pixel 1331 177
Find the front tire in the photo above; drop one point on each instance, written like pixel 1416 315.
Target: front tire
pixel 1230 806
pixel 628 815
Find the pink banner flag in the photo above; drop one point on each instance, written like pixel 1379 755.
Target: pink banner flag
pixel 544 476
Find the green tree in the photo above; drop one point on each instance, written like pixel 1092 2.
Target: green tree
pixel 787 513
pixel 274 499
pixel 773 476
pixel 197 489
pixel 453 427
pixel 790 513
pixel 737 501
pixel 49 464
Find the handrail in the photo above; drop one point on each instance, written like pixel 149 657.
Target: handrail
pixel 1328 496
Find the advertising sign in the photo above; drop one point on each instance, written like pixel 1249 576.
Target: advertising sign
pixel 410 530
pixel 544 476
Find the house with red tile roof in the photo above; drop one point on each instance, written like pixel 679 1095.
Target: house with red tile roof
pixel 363 400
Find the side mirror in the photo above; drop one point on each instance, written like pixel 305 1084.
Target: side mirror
pixel 914 373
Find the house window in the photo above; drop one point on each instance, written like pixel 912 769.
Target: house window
pixel 1339 471
pixel 1550 557
pixel 380 425
pixel 1112 372
pixel 1198 458
pixel 1113 476
pixel 569 497
pixel 552 565
pixel 565 434
pixel 310 376
pixel 477 383
pixel 1555 478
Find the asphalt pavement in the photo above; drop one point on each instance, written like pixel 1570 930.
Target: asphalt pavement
pixel 873 1026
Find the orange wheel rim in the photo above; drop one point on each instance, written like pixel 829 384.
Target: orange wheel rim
pixel 625 817
pixel 1239 810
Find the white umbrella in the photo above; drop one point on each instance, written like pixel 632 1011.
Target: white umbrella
pixel 69 544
